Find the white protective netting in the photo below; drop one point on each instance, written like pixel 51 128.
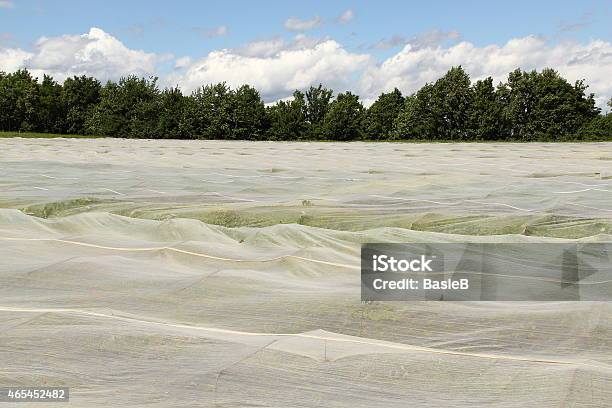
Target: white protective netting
pixel 168 273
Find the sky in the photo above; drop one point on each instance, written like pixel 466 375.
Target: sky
pixel 278 46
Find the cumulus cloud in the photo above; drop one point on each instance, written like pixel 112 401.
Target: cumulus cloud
pixel 295 24
pixel 345 17
pixel 277 67
pixel 95 53
pixel 213 32
pixel 12 59
pixel 412 67
pixel 182 62
pixel 584 21
pixel 6 4
pixel 271 47
pixel 277 75
pixel 262 48
pixel 427 39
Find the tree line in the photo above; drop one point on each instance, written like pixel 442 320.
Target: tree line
pixel 528 106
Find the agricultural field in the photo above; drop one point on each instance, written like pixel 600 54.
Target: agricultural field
pixel 159 273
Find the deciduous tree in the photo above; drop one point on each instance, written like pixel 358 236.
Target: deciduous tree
pixel 380 116
pixel 344 119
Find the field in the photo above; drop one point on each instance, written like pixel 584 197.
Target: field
pixel 208 273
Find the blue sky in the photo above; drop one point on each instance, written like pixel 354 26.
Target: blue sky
pixel 179 37
pixel 178 27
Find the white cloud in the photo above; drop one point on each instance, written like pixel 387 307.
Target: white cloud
pixel 295 24
pixel 262 48
pixel 279 74
pixel 412 67
pixel 584 21
pixel 12 59
pixel 96 53
pixel 271 47
pixel 345 17
pixel 429 38
pixel 182 62
pixel 213 32
pixel 6 4
pixel 219 31
pixel 277 67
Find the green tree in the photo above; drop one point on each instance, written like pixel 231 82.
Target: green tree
pixel 51 111
pixel 317 104
pixel 5 106
pixel 79 96
pixel 452 101
pixel 248 114
pixel 171 110
pixel 208 112
pixel 418 118
pixel 380 116
pixel 600 128
pixel 108 117
pixel 545 106
pixel 288 118
pixel 19 96
pixel 438 111
pixel 486 112
pixel 143 96
pixel 528 106
pixel 128 108
pixel 520 97
pixel 344 119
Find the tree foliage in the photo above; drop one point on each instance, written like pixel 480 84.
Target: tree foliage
pixel 288 118
pixel 208 112
pixel 248 114
pixel 379 119
pixel 80 95
pixel 317 103
pixel 452 97
pixel 438 111
pixel 544 105
pixel 600 128
pixel 529 105
pixel 19 99
pixel 486 119
pixel 171 113
pixel 418 119
pixel 129 108
pixel 344 118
